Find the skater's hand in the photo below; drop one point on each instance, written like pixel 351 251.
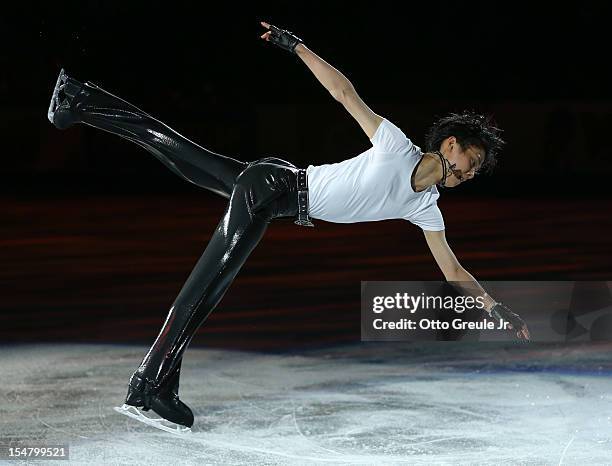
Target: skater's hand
pixel 282 38
pixel 501 312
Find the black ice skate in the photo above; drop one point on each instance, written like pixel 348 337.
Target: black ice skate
pixel 176 417
pixel 75 102
pixel 61 108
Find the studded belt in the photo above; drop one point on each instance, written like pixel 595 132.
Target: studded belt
pixel 302 193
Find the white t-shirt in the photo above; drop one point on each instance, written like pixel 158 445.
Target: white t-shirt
pixel 375 185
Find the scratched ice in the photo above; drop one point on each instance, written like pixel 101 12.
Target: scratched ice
pixel 389 403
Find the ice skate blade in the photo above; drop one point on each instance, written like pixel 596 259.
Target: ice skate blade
pixel 54 98
pixel 158 422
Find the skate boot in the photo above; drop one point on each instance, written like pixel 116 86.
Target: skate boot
pixel 75 102
pixel 61 109
pixel 176 417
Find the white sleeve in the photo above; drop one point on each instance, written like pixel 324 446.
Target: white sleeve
pixel 429 219
pixel 389 139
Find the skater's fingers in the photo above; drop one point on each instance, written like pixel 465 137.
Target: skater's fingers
pixel 266 25
pixel 526 333
pixel 523 333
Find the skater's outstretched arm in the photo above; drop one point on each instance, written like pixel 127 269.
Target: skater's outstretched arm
pixel 462 279
pixel 332 79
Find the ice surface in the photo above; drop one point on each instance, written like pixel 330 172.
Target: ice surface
pixel 368 403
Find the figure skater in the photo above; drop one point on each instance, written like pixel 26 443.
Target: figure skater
pixel 393 179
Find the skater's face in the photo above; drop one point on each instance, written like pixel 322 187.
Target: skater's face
pixel 466 161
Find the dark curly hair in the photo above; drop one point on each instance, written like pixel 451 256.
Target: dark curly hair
pixel 470 129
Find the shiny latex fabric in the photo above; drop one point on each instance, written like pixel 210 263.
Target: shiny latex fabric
pixel 263 191
pixel 257 191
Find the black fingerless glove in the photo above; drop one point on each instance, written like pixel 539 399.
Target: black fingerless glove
pixel 501 312
pixel 286 40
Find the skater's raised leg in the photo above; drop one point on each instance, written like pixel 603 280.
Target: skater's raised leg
pixel 74 102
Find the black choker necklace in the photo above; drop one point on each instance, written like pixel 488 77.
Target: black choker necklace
pixel 447 168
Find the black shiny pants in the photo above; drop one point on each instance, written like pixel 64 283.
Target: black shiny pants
pixel 258 192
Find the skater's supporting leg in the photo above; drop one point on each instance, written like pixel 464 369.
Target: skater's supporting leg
pixel 74 102
pixel 236 236
pixel 155 384
pixel 264 190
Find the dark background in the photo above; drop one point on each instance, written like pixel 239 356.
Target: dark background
pixel 98 236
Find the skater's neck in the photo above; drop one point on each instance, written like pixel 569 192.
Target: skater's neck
pixel 426 173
